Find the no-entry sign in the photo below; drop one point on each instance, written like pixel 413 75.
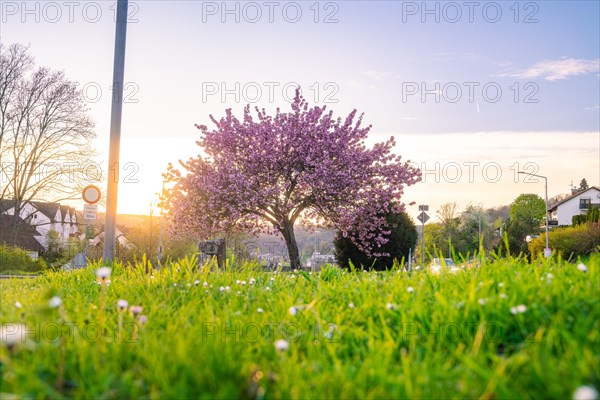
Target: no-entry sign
pixel 91 194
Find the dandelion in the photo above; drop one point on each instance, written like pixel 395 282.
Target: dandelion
pixel 221 289
pixel 151 276
pixel 175 284
pixel 11 334
pixel 228 288
pixel 267 289
pixel 549 276
pixel 520 309
pixel 259 310
pixel 482 302
pixel 282 345
pixel 237 282
pixel 272 278
pixel 252 281
pixel 503 295
pixel 585 393
pixel 188 285
pixel 295 271
pixel 122 304
pixel 351 305
pixel 17 304
pixel 582 267
pixel 54 302
pixel 410 289
pixel 205 284
pixel 243 283
pixel 293 310
pixel 501 284
pixel 389 306
pixel 135 310
pixel 417 268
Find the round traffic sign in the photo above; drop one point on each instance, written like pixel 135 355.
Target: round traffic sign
pixel 91 194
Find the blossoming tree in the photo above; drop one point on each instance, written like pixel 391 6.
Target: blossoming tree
pixel 264 174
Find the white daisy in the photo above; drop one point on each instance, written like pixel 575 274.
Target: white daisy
pixel 122 304
pixel 410 289
pixel 293 310
pixel 103 273
pixel 585 393
pixel 54 302
pixel 520 309
pixel 351 305
pixel 389 306
pixel 17 304
pixel 259 310
pixel 582 267
pixel 11 334
pixel 281 345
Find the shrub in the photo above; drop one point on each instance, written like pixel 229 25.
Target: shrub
pixel 403 237
pixel 15 259
pixel 569 241
pixel 579 219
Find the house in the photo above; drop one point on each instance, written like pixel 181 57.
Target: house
pixel 562 212
pixel 35 220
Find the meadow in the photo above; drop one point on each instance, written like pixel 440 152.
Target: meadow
pixel 509 329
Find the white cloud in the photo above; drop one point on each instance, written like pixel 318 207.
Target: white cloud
pixel 378 75
pixel 553 70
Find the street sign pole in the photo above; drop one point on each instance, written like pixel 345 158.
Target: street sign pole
pixel 423 217
pixel 91 195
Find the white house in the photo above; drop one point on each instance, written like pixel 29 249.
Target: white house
pixel 562 213
pixel 44 216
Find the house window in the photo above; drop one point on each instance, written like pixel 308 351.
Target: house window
pixel 584 203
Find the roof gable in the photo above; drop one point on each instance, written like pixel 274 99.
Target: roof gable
pixel 555 205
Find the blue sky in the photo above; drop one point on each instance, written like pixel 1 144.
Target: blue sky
pixel 520 87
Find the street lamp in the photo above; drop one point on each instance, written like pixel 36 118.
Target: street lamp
pixel 547 251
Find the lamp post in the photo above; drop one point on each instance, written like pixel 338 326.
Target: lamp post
pixel 547 251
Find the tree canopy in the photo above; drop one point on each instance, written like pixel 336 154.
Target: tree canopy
pixel 266 173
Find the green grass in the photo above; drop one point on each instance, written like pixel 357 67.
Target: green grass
pixel 453 337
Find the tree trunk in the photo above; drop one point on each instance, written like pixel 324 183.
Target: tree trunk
pixel 292 246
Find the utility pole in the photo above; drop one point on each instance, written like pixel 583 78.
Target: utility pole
pixel 115 132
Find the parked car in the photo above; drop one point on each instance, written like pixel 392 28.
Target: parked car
pixel 438 264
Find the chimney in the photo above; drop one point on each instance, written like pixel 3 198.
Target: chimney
pixel 574 191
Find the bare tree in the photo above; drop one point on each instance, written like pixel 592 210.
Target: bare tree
pixel 45 133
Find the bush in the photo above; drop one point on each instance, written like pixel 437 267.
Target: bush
pixel 15 259
pixel 569 241
pixel 403 237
